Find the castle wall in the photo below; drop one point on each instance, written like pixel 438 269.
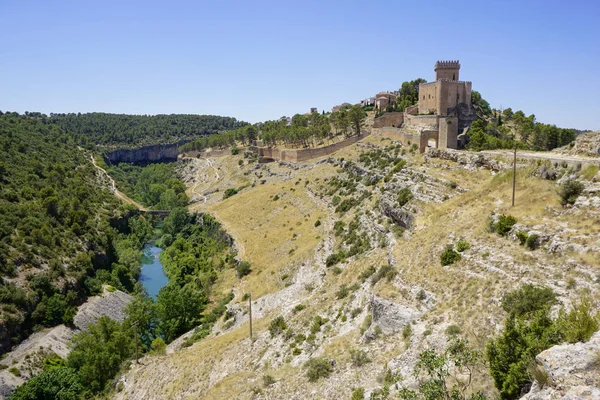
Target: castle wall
pixel 451 94
pixel 420 122
pixel 448 133
pixel 389 119
pixel 428 97
pixel 450 74
pixel 425 137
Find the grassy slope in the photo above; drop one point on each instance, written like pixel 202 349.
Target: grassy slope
pixel 467 293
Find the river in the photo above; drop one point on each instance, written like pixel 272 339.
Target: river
pixel 152 276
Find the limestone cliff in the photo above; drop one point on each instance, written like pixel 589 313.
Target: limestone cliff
pixel 160 152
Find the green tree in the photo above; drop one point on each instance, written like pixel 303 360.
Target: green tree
pixel 54 384
pixel 179 309
pixel 357 116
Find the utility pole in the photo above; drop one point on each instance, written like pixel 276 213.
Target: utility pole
pixel 514 175
pixel 250 313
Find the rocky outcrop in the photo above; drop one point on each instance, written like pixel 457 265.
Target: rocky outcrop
pixel 469 161
pixel 586 144
pixel 573 372
pixel 145 154
pixel 391 317
pixel 110 304
pixel 400 216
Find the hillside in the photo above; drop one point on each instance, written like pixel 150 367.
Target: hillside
pixel 345 254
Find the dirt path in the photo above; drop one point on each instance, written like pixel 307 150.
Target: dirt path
pixel 551 156
pixel 116 191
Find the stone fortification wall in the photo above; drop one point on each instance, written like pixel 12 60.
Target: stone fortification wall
pixel 450 94
pixel 394 119
pixel 418 123
pixel 428 97
pixel 448 132
pixel 412 110
pixel 299 155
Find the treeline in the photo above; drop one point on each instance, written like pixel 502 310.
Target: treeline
pixel 408 96
pixel 153 185
pixel 302 131
pixel 60 233
pixel 507 129
pixel 123 130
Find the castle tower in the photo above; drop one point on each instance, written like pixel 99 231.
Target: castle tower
pixel 447 70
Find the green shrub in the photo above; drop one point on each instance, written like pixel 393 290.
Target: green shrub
pixel 268 380
pixel 359 357
pixel 158 346
pixel 462 245
pixel 317 368
pixel 407 331
pixel 299 308
pixel 505 224
pixel 317 323
pixel 367 273
pixel 453 330
pixel 579 324
pixel 528 299
pixel 235 151
pixel 358 394
pixel 243 269
pixel 277 326
pixel 385 271
pixel 522 236
pixel 449 256
pixel 15 371
pixel 229 192
pixel 404 196
pixel 342 292
pixel 366 324
pixel 570 191
pixel 532 242
pixel 318 223
pixel 335 258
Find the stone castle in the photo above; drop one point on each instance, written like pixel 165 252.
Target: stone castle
pixel 442 114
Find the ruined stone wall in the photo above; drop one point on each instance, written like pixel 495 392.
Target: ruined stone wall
pixel 412 110
pixel 428 97
pixel 394 119
pixel 418 123
pixel 425 137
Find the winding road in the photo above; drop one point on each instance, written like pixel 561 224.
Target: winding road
pixel 117 192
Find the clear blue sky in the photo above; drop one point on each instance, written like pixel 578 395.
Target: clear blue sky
pixel 258 60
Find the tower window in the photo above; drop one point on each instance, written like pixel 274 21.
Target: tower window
pixel 453 77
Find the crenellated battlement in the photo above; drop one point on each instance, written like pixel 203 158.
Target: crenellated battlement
pixel 453 64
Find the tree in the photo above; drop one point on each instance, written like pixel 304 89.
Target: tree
pixel 357 115
pixel 433 371
pixel 97 354
pixel 179 309
pixel 54 384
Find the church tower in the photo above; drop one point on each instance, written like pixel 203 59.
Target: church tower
pixel 447 70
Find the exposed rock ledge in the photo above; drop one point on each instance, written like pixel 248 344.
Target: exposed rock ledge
pixel 56 340
pixel 573 372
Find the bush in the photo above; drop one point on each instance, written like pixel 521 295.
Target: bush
pixel 407 331
pixel 299 308
pixel 359 357
pixel 385 271
pixel 569 191
pixel 15 371
pixel 358 393
pixel 522 236
pixel 243 269
pixel 453 330
pixel 579 324
pixel 318 223
pixel 317 368
pixel 342 292
pixel 158 346
pixel 277 326
pixel 268 380
pixel 532 242
pixel 404 196
pixel 229 192
pixel 505 224
pixel 528 299
pixel 334 258
pixel 462 245
pixel 449 256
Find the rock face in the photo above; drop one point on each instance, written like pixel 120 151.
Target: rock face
pixel 111 304
pixel 586 144
pixel 145 154
pixel 573 371
pixel 399 215
pixel 391 317
pixel 469 161
pixel 27 356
